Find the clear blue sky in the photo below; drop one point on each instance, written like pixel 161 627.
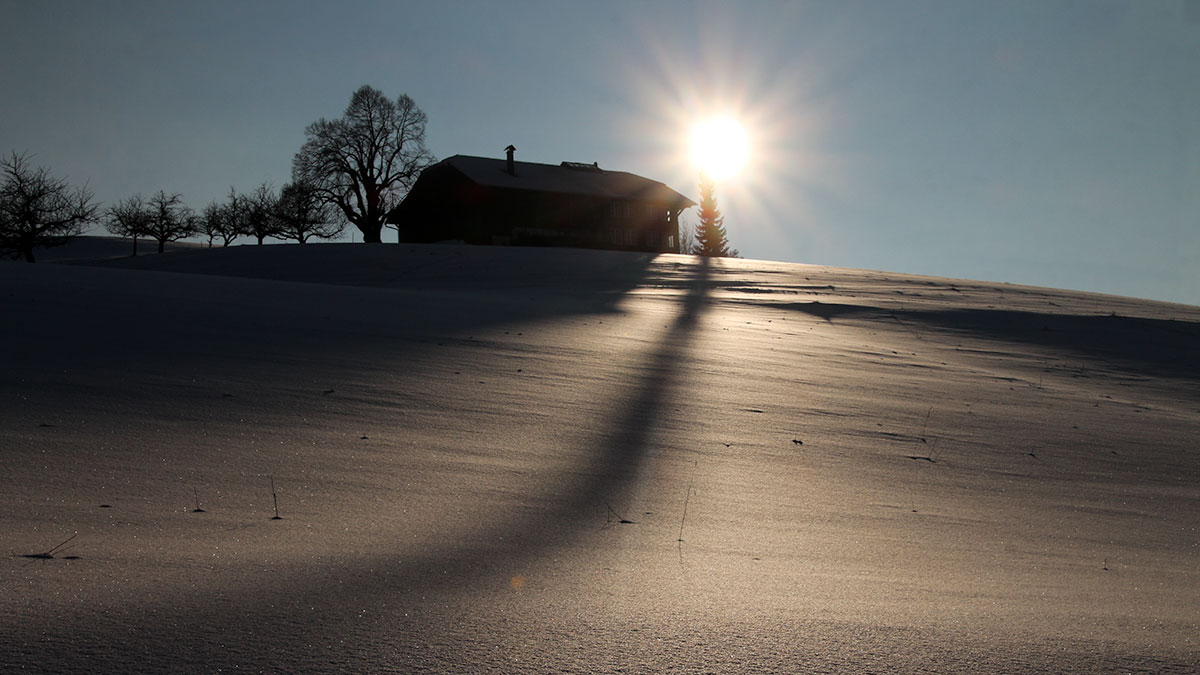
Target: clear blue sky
pixel 1045 142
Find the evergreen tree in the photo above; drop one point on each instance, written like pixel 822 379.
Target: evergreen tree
pixel 710 231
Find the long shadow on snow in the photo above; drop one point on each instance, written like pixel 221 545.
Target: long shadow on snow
pixel 312 615
pixel 1138 345
pixel 614 463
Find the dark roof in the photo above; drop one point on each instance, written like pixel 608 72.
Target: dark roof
pixel 568 178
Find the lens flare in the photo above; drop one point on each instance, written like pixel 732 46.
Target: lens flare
pixel 774 167
pixel 720 147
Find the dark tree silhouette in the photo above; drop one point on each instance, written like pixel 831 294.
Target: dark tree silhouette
pixel 214 222
pixel 301 214
pixel 169 219
pixel 257 213
pixel 365 162
pixel 710 231
pixel 37 209
pixel 128 218
pixel 235 221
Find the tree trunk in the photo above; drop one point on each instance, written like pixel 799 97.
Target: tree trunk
pixel 161 244
pixel 134 247
pixel 372 235
pixel 28 251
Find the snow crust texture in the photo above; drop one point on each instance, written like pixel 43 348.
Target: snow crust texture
pixel 540 460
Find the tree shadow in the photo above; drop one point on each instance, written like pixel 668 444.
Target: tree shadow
pixel 614 460
pixel 620 451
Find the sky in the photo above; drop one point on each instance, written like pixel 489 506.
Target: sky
pixel 1050 143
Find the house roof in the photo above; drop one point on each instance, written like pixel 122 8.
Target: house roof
pixel 566 178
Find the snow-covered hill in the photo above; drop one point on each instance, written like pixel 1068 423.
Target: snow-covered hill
pixel 541 460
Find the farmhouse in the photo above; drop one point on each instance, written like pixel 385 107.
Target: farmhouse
pixel 482 200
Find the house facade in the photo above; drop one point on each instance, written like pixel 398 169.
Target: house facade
pixel 482 200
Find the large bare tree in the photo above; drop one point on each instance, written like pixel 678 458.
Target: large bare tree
pixel 365 162
pixel 37 209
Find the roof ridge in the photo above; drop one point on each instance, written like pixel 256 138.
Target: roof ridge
pixel 560 178
pixel 500 159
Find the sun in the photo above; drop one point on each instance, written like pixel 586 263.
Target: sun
pixel 720 147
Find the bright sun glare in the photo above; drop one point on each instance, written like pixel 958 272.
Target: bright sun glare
pixel 720 147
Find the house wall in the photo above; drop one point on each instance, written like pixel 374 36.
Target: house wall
pixel 444 205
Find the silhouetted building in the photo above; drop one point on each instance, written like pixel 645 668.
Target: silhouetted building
pixel 480 200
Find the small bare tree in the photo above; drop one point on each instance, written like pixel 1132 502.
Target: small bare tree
pixel 258 213
pixel 212 222
pixel 301 214
pixel 169 219
pixel 687 238
pixel 235 224
pixel 37 209
pixel 128 218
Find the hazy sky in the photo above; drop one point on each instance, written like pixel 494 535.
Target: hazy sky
pixel 1050 143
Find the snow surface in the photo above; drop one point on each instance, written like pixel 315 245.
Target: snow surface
pixel 822 470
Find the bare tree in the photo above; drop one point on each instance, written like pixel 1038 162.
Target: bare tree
pixel 37 209
pixel 301 214
pixel 257 213
pixel 224 220
pixel 687 238
pixel 236 218
pixel 169 219
pixel 365 162
pixel 128 218
pixel 212 222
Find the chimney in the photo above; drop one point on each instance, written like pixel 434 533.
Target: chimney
pixel 512 166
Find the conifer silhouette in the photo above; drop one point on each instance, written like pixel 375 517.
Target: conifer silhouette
pixel 710 231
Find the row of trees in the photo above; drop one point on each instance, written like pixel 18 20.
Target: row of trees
pixel 355 169
pixel 38 209
pixel 295 213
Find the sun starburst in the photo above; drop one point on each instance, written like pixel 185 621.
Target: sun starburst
pixel 720 147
